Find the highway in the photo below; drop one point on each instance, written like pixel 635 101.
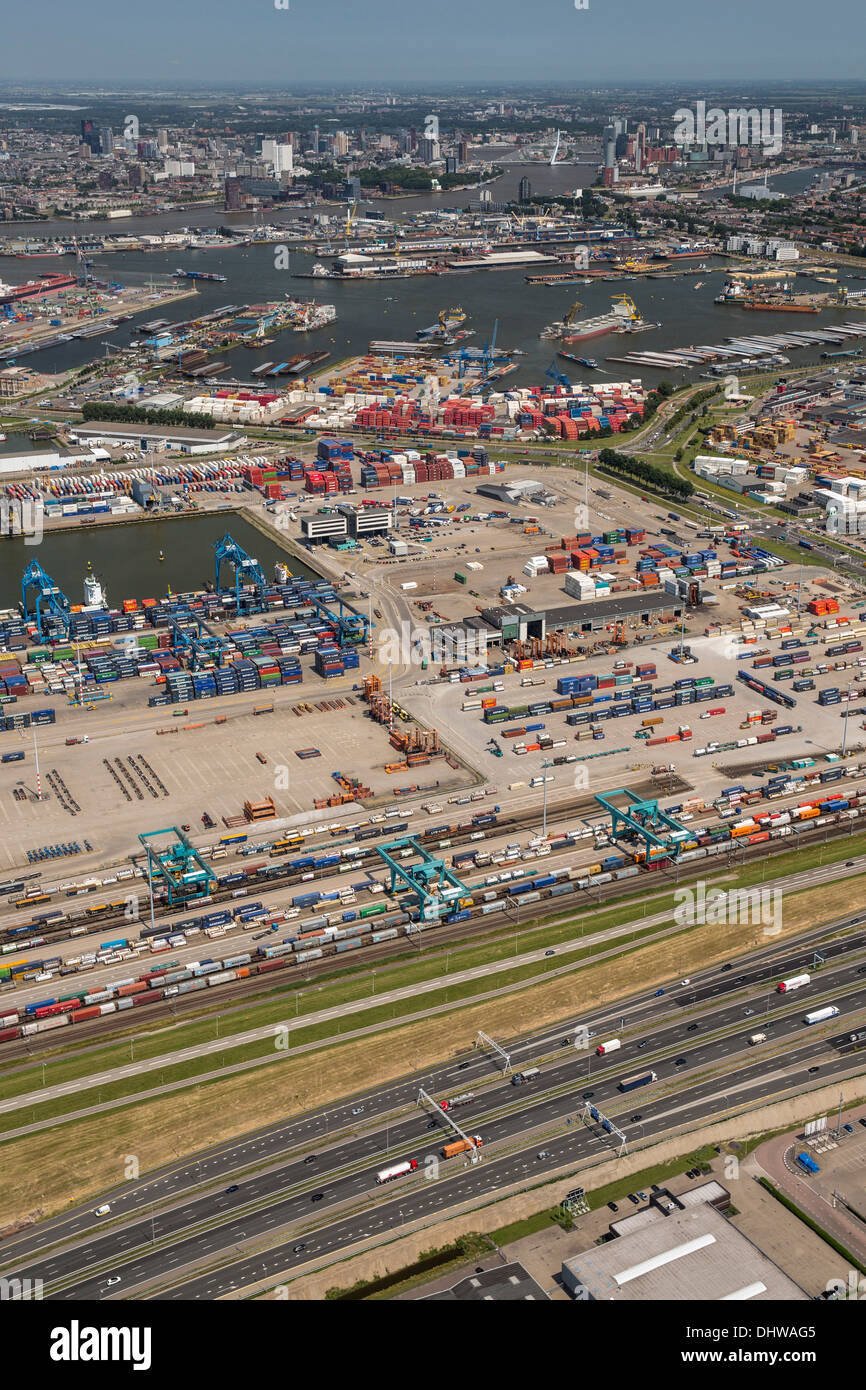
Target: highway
pixel 194 1223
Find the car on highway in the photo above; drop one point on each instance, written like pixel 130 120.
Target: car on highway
pixel 635 1119
pixel 812 1070
pixel 543 1153
pixel 587 1095
pixel 311 1158
pixel 692 1028
pixel 748 1012
pixel 680 1062
pixel 357 1110
pixel 849 863
pixel 727 967
pixel 658 992
pixel 115 1279
pixel 234 1187
pixel 550 953
pixel 296 1249
pixel 861 970
pixel 463 1066
pixel 613 1206
pixel 431 1124
pixel 686 981
pixel 644 1042
pixel 741 979
pixel 317 1196
pixel 566 1042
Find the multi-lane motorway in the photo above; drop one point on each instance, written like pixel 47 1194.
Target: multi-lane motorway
pixel 235 1216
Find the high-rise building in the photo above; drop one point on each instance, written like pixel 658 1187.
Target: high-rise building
pixel 463 151
pixel 451 164
pixel 524 190
pixel 134 176
pixel 352 188
pixel 639 147
pixel 233 194
pixel 89 135
pixel 609 141
pixel 341 143
pixel 280 156
pixel 106 140
pixel 428 149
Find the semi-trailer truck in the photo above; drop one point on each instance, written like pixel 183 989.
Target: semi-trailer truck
pixel 610 1046
pixel 454 1104
pixel 520 1076
pixel 795 982
pixel 399 1170
pixel 819 1015
pixel 461 1146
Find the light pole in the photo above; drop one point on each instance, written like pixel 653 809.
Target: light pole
pixel 544 800
pixel 847 712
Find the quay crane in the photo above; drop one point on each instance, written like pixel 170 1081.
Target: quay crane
pixel 50 599
pixel 247 571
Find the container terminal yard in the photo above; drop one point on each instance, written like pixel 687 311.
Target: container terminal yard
pixel 432 760
pixel 463 665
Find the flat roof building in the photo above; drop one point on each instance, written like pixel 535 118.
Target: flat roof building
pixel 177 438
pixel 682 1250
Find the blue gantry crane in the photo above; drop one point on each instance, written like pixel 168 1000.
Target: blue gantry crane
pixel 248 572
pixel 190 634
pixel 435 887
pixel 557 376
pixel 351 626
pixel 51 602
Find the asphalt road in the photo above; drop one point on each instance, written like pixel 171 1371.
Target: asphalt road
pixel 166 1246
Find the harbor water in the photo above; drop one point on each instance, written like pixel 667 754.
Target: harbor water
pixel 125 557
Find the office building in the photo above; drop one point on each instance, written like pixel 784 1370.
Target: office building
pixel 524 190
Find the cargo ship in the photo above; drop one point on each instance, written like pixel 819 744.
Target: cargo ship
pixel 48 284
pixel 448 320
pixel 199 275
pixel 297 364
pixel 778 305
pixel 622 314
pixel 589 362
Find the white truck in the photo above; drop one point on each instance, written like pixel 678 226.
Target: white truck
pixel 610 1046
pixel 757 1038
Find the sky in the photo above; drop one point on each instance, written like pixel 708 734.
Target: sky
pixel 252 41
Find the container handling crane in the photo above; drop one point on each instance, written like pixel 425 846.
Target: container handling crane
pixel 51 602
pixel 247 572
pixel 556 375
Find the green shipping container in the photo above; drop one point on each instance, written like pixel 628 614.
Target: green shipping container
pixel 461 578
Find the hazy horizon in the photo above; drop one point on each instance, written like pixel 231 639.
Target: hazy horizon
pixel 398 42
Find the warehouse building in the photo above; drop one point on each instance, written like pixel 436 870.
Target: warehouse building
pixel 678 1249
pixel 158 438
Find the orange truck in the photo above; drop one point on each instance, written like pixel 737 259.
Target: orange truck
pixel 462 1146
